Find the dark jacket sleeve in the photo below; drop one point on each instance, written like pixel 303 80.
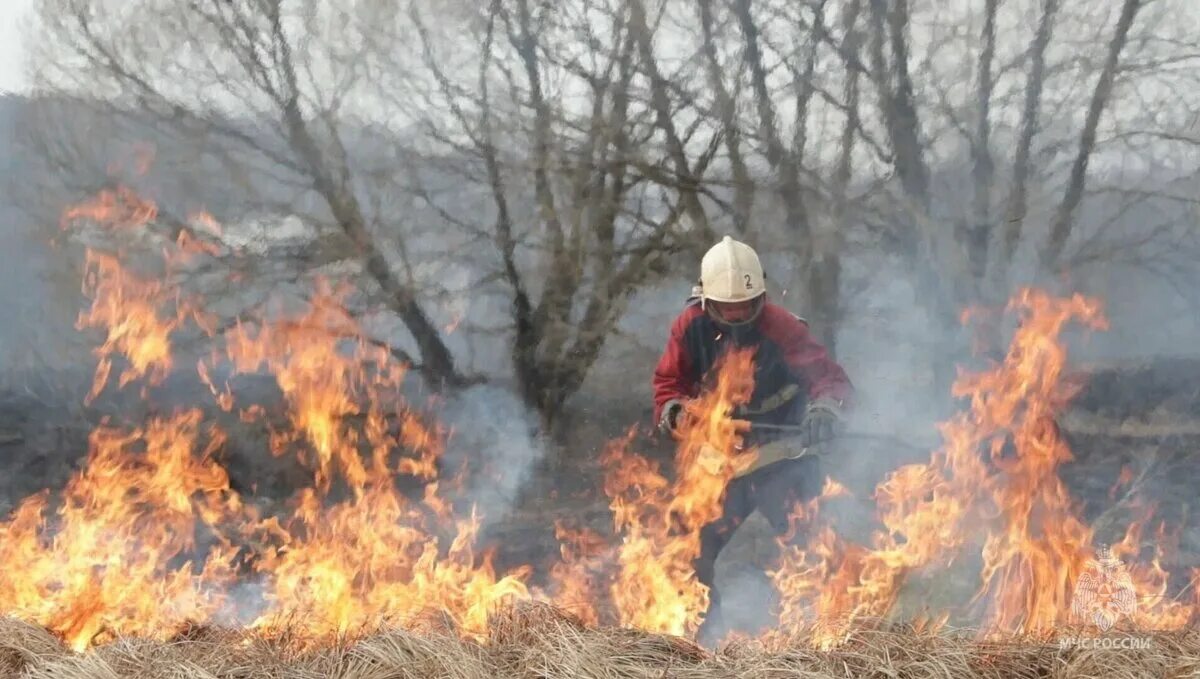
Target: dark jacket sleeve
pixel 674 376
pixel 808 359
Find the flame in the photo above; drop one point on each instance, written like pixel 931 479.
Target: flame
pixel 148 534
pixel 358 564
pixel 577 576
pixel 452 325
pixel 334 567
pixel 377 556
pixel 133 313
pixel 120 553
pixel 205 221
pixel 660 520
pixel 142 158
pixel 993 486
pixel 131 309
pixel 802 572
pixel 120 208
pixel 321 384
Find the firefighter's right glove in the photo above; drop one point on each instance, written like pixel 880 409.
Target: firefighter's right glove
pixel 672 417
pixel 822 422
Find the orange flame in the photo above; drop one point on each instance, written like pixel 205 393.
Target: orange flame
pixel 113 208
pixel 206 221
pixel 994 485
pixel 660 520
pixel 149 535
pixel 125 555
pixel 575 577
pixel 143 154
pixel 376 557
pixel 119 556
pixel 129 309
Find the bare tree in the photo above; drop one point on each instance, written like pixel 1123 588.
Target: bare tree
pixel 568 152
pixel 830 242
pixel 727 112
pixel 983 169
pixel 248 61
pixel 962 258
pixel 783 161
pixel 1060 229
pixel 812 237
pixel 615 184
pixel 618 183
pixel 1018 193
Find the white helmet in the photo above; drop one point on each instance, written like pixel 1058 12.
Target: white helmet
pixel 731 272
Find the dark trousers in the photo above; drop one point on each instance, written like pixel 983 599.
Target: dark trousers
pixel 773 490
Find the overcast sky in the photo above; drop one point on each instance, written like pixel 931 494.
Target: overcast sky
pixel 13 14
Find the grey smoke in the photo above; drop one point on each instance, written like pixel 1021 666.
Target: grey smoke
pixel 495 436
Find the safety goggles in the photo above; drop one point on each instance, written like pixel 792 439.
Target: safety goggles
pixel 735 313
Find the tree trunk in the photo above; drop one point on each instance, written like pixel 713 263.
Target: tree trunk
pixel 933 288
pixel 826 271
pixel 688 180
pixel 900 112
pixel 524 344
pixel 1060 230
pixel 983 168
pixel 1017 202
pixel 743 184
pixel 551 317
pixel 783 162
pixel 437 363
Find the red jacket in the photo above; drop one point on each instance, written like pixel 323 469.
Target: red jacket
pixel 786 354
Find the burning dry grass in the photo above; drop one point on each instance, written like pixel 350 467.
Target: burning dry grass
pixel 539 641
pixel 151 533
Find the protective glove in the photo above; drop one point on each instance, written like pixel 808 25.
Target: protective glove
pixel 670 419
pixel 822 421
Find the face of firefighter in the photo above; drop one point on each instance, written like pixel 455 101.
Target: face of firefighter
pixel 735 313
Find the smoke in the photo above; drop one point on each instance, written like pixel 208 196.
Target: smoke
pixel 244 601
pixel 493 435
pixel 36 340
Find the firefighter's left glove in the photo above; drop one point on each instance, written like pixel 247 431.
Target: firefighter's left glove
pixel 672 416
pixel 822 422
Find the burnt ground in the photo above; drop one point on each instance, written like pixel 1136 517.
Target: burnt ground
pixel 1140 416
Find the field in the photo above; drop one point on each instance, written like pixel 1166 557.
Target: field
pixel 539 642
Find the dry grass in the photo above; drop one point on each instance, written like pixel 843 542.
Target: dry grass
pixel 537 641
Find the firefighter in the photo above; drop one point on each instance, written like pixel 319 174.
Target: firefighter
pixel 796 383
